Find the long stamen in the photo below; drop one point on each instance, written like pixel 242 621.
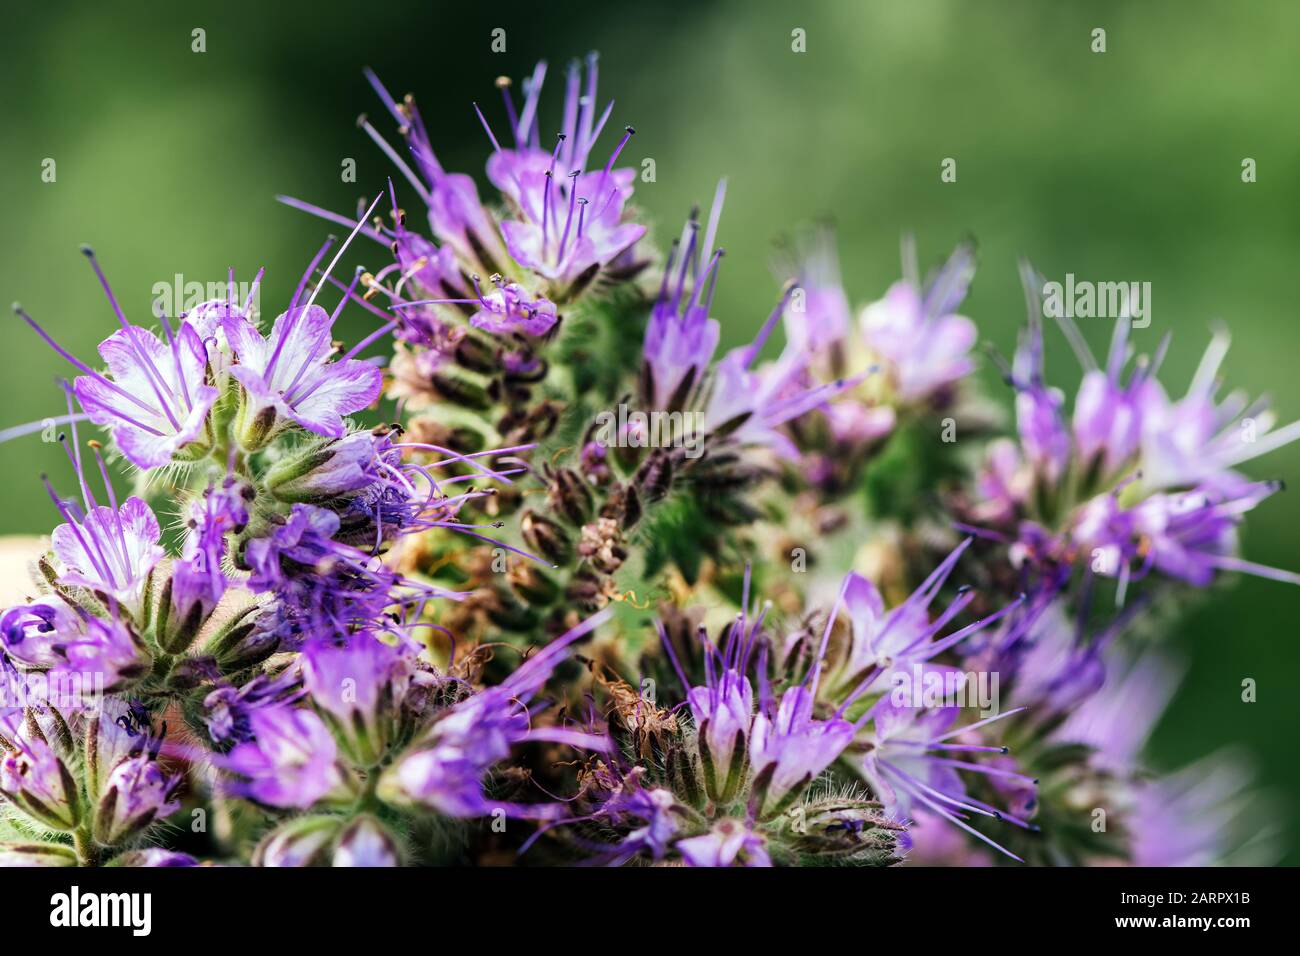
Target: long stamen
pixel 156 381
pixel 291 316
pixel 81 366
pixel 568 220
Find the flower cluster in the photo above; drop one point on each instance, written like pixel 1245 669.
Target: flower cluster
pixel 595 590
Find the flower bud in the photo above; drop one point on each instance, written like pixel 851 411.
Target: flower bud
pixel 136 794
pixel 35 778
pixel 461 388
pixel 246 640
pixel 326 471
pixel 366 842
pixel 304 841
pixel 36 854
pixel 569 495
pixel 254 426
pixel 532 585
pixel 546 538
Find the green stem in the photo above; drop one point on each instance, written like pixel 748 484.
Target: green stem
pixel 87 852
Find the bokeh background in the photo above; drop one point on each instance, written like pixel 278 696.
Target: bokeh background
pixel 1122 165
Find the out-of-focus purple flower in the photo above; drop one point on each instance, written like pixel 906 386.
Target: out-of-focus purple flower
pixel 818 318
pixel 154 857
pixel 925 345
pixel 1118 719
pixel 907 765
pixel 728 843
pixel 1197 440
pixel 1202 815
pixel 37 854
pixel 366 842
pixel 1040 416
pixel 302 841
pixel 290 760
pixel 444 771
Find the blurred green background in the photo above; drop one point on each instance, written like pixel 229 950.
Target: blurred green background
pixel 1122 165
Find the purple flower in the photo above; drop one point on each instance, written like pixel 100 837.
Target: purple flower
pixel 887 649
pixel 137 793
pixel 914 329
pixel 355 687
pixel 680 338
pixel 330 584
pixel 290 760
pixel 110 550
pixel 157 401
pixel 302 841
pixel 227 711
pixel 1200 816
pixel 67 642
pixel 289 375
pixel 366 842
pixel 508 310
pixel 1198 440
pixel 1118 719
pixel 906 765
pixel 444 771
pixel 789 748
pixel 724 708
pixel 818 317
pixel 1040 417
pixel 728 843
pixel 197 582
pixel 124 779
pixel 571 219
pixel 34 778
pixel 154 857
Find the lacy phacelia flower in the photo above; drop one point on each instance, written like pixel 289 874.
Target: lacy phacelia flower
pixel 157 401
pixel 198 582
pixel 289 376
pixel 34 777
pixel 354 686
pixel 914 328
pixel 108 549
pixel 130 788
pixel 907 769
pixel 290 760
pixel 729 843
pixel 571 217
pixel 735 399
pixel 79 654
